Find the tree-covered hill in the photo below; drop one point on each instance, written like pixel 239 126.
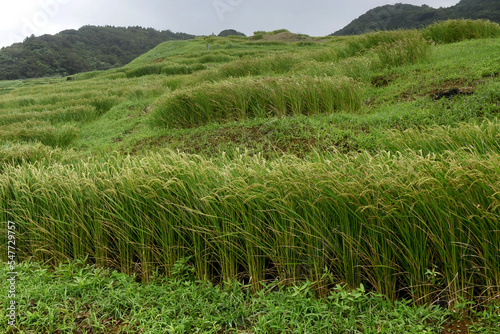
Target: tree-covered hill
pixel 402 16
pixel 86 49
pixel 231 32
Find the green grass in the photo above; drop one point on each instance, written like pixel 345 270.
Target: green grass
pixel 74 297
pixel 366 160
pixel 458 30
pixel 256 98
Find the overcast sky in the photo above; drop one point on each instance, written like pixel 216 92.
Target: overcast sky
pixel 22 18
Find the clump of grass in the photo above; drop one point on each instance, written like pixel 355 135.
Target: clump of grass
pixel 275 64
pixel 103 104
pixel 182 69
pixel 215 58
pixel 70 114
pixel 358 68
pixel 483 138
pixel 323 55
pixel 243 98
pixel 266 43
pixel 361 44
pixel 143 70
pixel 452 31
pixel 403 51
pixel 17 153
pixel 172 68
pixel 39 131
pixel 318 68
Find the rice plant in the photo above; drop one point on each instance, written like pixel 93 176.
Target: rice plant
pixel 482 138
pixel 276 64
pixel 402 52
pixel 238 99
pixel 361 44
pixel 452 31
pixel 408 224
pixel 416 217
pixel 39 131
pixel 144 70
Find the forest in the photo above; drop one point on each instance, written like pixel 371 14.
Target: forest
pixel 89 48
pixel 403 16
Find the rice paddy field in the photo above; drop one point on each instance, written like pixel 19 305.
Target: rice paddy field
pixel 355 179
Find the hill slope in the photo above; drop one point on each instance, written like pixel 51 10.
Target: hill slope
pixel 402 16
pixel 72 51
pixel 362 161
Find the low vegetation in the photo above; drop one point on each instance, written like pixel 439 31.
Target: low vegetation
pixel 240 99
pixel 75 297
pixel 268 169
pixel 459 30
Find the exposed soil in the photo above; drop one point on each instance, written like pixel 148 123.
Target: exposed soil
pixel 383 80
pixel 452 88
pixel 451 92
pixel 260 139
pixel 457 327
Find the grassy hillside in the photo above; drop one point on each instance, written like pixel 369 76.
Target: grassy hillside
pixel 365 160
pixel 72 51
pixel 403 16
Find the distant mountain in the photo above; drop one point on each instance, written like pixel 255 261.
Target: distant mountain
pixel 401 16
pixel 86 49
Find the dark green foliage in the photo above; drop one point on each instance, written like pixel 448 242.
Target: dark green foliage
pixel 401 16
pixel 231 32
pixel 73 51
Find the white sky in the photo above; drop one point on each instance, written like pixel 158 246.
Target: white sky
pixel 22 18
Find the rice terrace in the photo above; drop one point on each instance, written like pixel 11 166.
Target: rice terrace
pixel 278 183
